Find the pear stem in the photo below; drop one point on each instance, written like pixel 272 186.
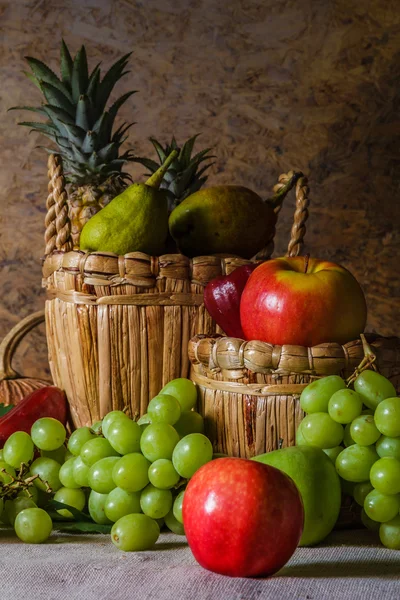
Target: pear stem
pixel 155 180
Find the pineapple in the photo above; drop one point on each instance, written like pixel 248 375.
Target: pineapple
pixel 78 122
pixel 184 176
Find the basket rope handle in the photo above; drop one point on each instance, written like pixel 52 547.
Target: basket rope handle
pixel 11 341
pixel 57 222
pixel 298 230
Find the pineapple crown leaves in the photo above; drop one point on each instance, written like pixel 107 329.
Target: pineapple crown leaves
pixel 76 117
pixel 185 174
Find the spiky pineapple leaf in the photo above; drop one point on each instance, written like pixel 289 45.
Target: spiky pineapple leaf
pixel 56 98
pixel 106 86
pixel 114 108
pixel 83 117
pixel 45 128
pixel 93 84
pixel 44 74
pixel 187 149
pixel 109 152
pixel 36 109
pixel 58 114
pixel 80 74
pixel 150 164
pixel 33 79
pixel 90 142
pixel 160 150
pixel 66 65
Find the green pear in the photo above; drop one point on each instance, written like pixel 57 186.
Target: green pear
pixel 318 483
pixel 134 221
pixel 222 219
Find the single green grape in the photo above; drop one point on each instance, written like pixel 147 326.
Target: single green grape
pixel 361 491
pixel 158 441
pixel 7 472
pixel 120 503
pixel 191 452
pixel 48 471
pixel 385 475
pixel 320 430
pixel 131 472
pixel 300 440
pixel 33 525
pixel 80 472
pixel 344 406
pixel 162 474
pixel 389 533
pixel 347 439
pixel 124 435
pixel 73 497
pixel 100 475
pixel 155 503
pixel 66 474
pixel 18 449
pixel 387 417
pixel 135 532
pixel 381 507
pixel 354 463
pixel 164 408
pixel 177 507
pixel 373 388
pixel 96 449
pixel 111 417
pixel 59 455
pixel 173 524
pixel 333 453
pixel 388 446
pixel 184 391
pixel 190 421
pixel 364 431
pixel 369 523
pixel 48 433
pixel 315 397
pixel 96 507
pixel 78 438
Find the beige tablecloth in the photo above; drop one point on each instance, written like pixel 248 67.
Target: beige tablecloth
pixel 349 565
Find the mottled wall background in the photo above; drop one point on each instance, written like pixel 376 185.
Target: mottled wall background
pixel 272 84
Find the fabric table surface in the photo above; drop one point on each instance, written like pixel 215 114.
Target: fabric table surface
pixel 347 565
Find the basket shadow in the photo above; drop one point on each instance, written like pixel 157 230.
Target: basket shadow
pixel 347 569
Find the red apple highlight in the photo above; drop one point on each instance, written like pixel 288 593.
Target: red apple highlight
pixel 242 518
pixel 302 301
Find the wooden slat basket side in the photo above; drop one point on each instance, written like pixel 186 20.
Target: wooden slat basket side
pixel 118 327
pixel 249 391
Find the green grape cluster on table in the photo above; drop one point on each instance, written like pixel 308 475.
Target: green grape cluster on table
pixel 359 429
pixel 127 474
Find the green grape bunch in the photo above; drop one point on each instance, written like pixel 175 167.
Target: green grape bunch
pixel 123 474
pixel 359 429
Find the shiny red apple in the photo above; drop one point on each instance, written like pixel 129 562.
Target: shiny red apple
pixel 242 518
pixel 302 301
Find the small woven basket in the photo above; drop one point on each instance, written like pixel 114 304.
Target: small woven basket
pixel 118 327
pixel 249 391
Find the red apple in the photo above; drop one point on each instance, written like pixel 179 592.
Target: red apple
pixel 240 519
pixel 302 301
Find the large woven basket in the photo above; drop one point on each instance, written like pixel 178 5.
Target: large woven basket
pixel 118 327
pixel 249 391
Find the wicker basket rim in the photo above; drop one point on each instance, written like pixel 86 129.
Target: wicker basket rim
pixel 216 353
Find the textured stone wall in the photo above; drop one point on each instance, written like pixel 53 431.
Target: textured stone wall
pixel 271 84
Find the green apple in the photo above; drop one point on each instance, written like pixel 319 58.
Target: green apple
pixel 318 483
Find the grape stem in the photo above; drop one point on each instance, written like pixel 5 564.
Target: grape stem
pixel 366 363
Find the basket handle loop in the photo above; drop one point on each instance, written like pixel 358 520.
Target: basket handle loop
pixel 298 230
pixel 11 341
pixel 57 222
